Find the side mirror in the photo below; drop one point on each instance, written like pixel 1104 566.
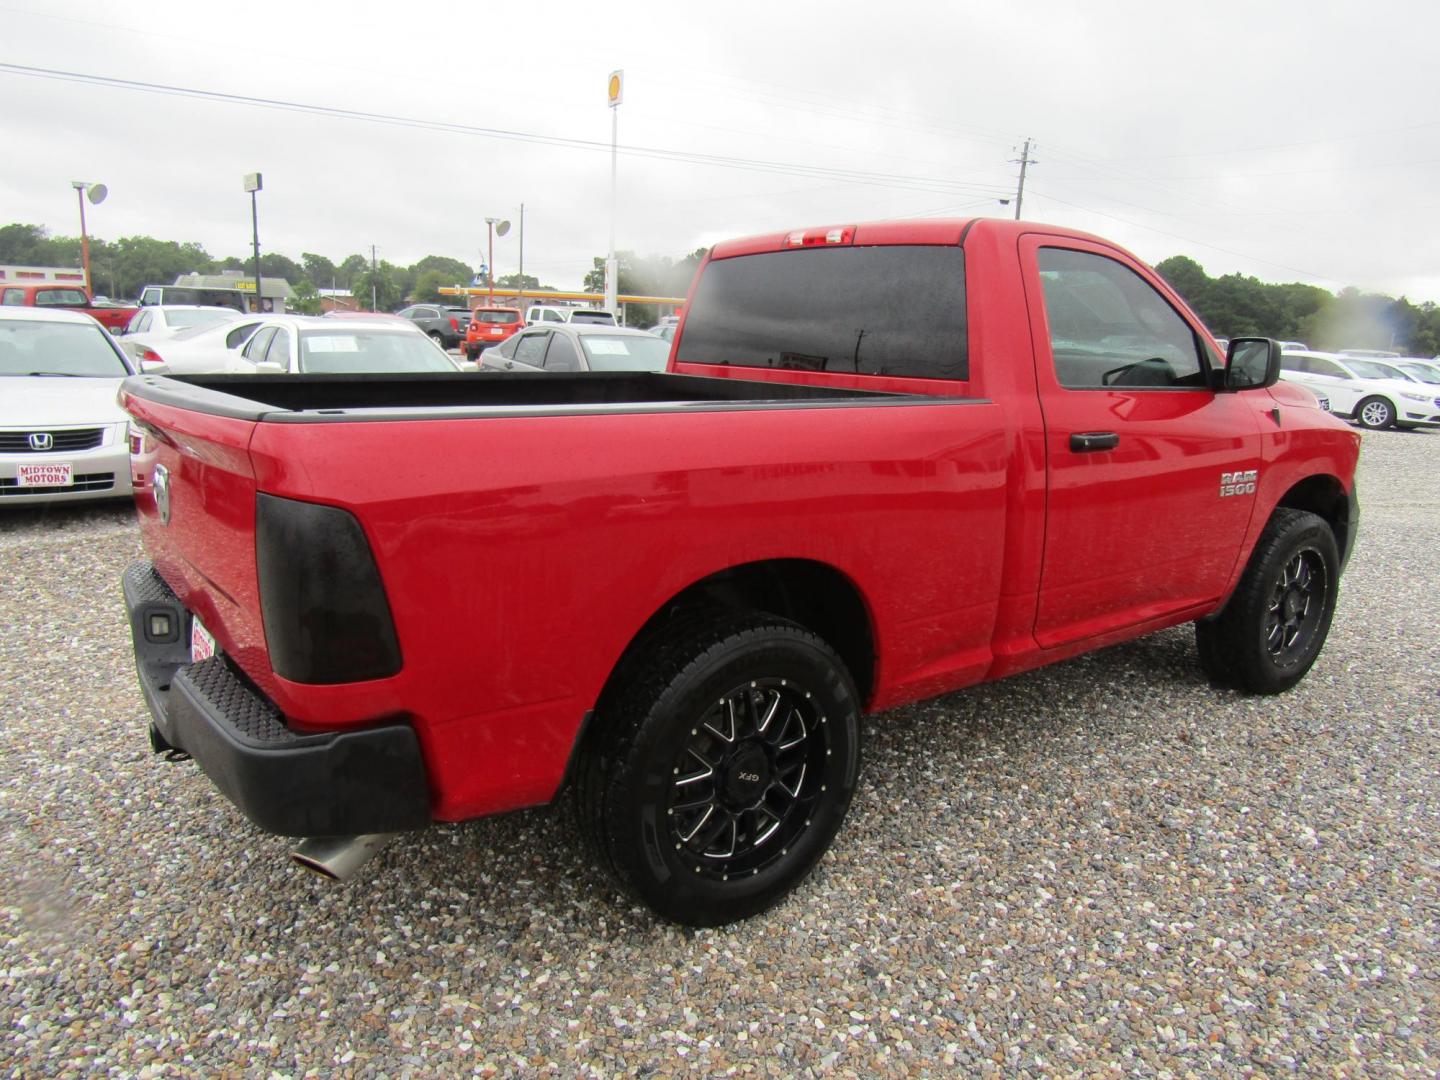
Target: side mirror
pixel 1251 363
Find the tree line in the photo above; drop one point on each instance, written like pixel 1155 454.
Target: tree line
pixel 1232 305
pixel 1238 306
pixel 121 268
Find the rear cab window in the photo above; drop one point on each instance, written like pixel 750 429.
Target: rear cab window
pixel 59 298
pixel 896 310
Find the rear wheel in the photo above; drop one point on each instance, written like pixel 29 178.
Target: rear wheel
pixel 1375 413
pixel 1269 634
pixel 719 776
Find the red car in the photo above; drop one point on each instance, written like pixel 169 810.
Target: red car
pixel 490 326
pixel 66 296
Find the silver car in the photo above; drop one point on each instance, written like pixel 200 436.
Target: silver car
pixel 572 347
pixel 62 437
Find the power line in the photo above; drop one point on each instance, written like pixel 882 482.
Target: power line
pixel 1190 240
pixel 939 185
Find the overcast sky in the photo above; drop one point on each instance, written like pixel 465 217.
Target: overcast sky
pixel 1295 141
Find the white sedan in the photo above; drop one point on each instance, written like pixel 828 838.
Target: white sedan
pixel 213 347
pixel 1370 392
pixel 152 325
pixel 62 437
pixel 301 345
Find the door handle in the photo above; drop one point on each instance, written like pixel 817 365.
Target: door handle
pixel 1082 442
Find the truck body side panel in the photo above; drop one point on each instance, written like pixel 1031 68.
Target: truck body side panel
pixel 521 556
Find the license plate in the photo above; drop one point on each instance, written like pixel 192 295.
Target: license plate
pixel 61 475
pixel 497 330
pixel 202 642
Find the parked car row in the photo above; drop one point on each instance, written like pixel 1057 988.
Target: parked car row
pixel 1375 394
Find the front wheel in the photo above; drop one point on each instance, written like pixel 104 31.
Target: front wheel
pixel 1269 634
pixel 715 781
pixel 1375 413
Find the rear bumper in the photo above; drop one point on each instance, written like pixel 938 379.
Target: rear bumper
pixel 330 784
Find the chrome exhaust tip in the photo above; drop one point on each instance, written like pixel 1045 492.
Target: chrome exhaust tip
pixel 337 858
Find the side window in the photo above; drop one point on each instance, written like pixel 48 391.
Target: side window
pixel 561 355
pixel 531 349
pixel 1325 367
pixel 553 316
pixel 1291 362
pixel 140 323
pixel 14 297
pixel 1109 327
pixel 235 338
pixel 278 351
pixel 255 348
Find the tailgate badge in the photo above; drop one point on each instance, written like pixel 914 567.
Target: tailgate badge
pixel 162 492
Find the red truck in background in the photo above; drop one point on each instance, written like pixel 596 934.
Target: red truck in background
pixel 53 294
pixel 889 461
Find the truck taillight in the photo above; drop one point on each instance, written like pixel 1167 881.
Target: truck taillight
pixel 818 237
pixel 454 324
pixel 323 605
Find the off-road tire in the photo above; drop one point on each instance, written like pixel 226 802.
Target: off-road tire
pixel 707 675
pixel 1272 629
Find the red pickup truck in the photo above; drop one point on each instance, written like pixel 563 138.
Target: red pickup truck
pixel 60 294
pixel 889 461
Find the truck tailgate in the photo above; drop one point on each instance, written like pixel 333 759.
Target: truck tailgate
pixel 195 498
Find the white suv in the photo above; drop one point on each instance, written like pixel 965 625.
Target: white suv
pixel 1374 394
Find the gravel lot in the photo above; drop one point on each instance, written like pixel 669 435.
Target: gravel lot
pixel 1102 868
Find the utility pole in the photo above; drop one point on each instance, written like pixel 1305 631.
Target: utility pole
pixel 373 305
pixel 1025 160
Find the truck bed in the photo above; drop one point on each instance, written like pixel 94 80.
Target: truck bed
pixel 331 398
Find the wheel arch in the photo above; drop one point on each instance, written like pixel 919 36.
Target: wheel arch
pixel 1324 495
pixel 813 594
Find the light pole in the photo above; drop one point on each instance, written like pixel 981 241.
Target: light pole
pixel 254 183
pixel 492 226
pixel 615 92
pixel 96 194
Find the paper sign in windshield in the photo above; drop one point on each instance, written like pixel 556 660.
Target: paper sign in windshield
pixel 600 347
pixel 332 344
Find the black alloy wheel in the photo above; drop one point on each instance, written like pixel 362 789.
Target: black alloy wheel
pixel 720 768
pixel 1272 629
pixel 747 778
pixel 1297 605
